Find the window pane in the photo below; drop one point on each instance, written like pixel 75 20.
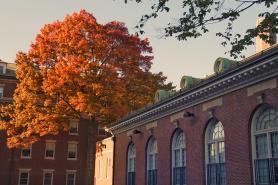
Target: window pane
pixel 262 171
pixel 23 180
pixel 221 150
pixel 47 179
pixel 261 146
pixel 26 152
pixel 183 157
pixel 49 149
pixel 177 158
pixel 212 152
pixel 73 127
pixel 131 158
pixel 70 179
pixel 72 148
pixel 216 131
pixel 274 144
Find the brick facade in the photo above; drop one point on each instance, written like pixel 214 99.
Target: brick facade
pixel 234 109
pixel 12 162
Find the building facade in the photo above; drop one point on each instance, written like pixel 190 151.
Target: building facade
pixel 64 159
pixel 219 131
pixel 104 162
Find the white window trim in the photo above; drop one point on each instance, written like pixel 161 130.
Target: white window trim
pixel 152 152
pixel 26 157
pixel 71 172
pixel 173 148
pixel 24 170
pixel 72 159
pixel 50 141
pixel 207 141
pixel 254 133
pixel 77 127
pixel 48 171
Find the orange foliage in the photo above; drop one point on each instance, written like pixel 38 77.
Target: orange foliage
pixel 78 68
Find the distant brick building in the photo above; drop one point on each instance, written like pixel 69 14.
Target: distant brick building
pixel 55 160
pixel 222 130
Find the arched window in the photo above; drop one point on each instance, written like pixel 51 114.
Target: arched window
pixel 152 162
pixel 215 154
pixel 178 159
pixel 265 146
pixel 131 156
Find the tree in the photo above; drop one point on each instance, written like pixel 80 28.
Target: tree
pixel 78 68
pixel 197 15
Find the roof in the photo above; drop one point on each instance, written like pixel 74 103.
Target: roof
pixel 203 91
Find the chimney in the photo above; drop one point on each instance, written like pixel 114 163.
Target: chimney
pixel 261 44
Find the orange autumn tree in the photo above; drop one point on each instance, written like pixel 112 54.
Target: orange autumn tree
pixel 78 68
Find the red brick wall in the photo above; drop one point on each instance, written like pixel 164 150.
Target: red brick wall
pixel 235 115
pixel 37 162
pixel 10 164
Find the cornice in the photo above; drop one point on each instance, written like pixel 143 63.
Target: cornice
pixel 259 69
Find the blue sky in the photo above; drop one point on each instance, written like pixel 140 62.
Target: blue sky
pixel 21 20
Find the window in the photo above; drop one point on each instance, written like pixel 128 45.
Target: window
pixel 23 178
pixel 73 127
pixel 71 176
pixel 178 159
pixel 47 177
pixel 50 149
pixel 131 156
pixel 108 168
pixel 26 152
pixel 215 154
pixel 3 67
pixel 152 162
pixel 100 168
pixel 1 92
pixel 72 150
pixel 265 145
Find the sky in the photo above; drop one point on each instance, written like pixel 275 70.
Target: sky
pixel 20 22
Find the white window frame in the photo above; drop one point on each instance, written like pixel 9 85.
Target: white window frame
pixel 76 144
pixel 211 123
pixel 131 155
pixel 74 121
pixel 152 151
pixel 71 172
pixel 174 148
pixel 48 171
pixel 24 170
pixel 255 133
pixel 52 142
pixel 26 157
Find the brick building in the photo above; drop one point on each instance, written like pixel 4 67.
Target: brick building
pixel 222 130
pixel 55 160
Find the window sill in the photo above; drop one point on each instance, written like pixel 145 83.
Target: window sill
pixel 23 157
pixel 49 158
pixel 71 159
pixel 73 134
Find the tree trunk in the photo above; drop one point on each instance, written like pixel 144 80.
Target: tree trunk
pixel 91 150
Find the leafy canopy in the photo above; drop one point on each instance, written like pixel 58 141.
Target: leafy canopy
pixel 78 68
pixel 197 15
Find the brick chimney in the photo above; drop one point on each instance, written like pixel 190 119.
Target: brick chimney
pixel 260 44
